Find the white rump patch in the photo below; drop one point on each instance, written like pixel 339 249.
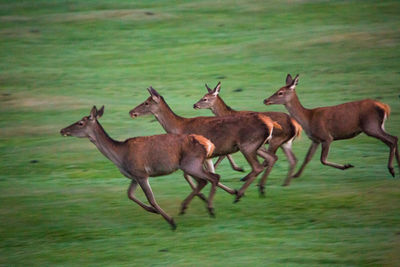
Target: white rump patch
pixel 383 122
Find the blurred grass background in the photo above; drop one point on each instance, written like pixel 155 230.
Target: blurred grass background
pixel 63 203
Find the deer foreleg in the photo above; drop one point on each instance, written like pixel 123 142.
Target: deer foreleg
pixel 131 196
pixel 144 184
pixel 287 149
pixel 324 156
pixel 309 155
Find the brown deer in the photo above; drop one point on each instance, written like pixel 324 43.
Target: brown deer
pixel 282 138
pixel 229 134
pixel 327 124
pixel 139 158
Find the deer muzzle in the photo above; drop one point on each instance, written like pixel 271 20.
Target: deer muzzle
pixel 133 114
pixel 267 101
pixel 65 132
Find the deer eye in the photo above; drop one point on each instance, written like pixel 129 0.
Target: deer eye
pixel 205 99
pixel 146 103
pixel 80 123
pixel 280 93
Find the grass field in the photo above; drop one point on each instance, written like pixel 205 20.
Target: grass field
pixel 63 203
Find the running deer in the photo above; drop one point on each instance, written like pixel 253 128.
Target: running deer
pixel 326 124
pixel 139 158
pixel 229 134
pixel 282 138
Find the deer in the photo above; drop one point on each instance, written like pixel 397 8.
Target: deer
pixel 323 125
pixel 282 138
pixel 229 134
pixel 139 158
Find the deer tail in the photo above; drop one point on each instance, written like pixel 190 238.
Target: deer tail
pixel 297 127
pixel 384 107
pixel 270 124
pixel 207 144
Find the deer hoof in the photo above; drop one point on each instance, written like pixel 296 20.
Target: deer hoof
pixel 211 212
pixel 347 166
pixel 238 197
pixel 238 169
pixel 296 175
pixel 261 189
pixel 173 225
pixel 391 170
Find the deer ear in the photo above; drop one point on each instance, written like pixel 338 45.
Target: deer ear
pixel 217 89
pixel 100 112
pixel 154 94
pixel 209 89
pixel 294 82
pixel 93 113
pixel 289 79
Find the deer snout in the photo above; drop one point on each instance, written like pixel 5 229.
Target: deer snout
pixel 267 101
pixel 195 106
pixel 64 132
pixel 133 114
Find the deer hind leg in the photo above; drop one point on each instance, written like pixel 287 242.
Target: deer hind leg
pixel 260 152
pixel 201 184
pixel 210 167
pixel 144 184
pixel 231 161
pixel 131 196
pixel 220 158
pixel 271 158
pixel 233 164
pixel 310 154
pixel 194 167
pixel 324 155
pixel 287 149
pixel 256 168
pixel 390 140
pixel 193 186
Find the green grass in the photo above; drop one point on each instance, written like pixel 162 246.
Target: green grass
pixel 59 58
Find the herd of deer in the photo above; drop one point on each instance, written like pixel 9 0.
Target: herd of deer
pixel 190 143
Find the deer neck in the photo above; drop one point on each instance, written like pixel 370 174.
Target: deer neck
pixel 297 111
pixel 171 122
pixel 220 108
pixel 110 148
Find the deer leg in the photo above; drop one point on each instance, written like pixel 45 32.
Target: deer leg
pixel 256 168
pixel 195 169
pixel 391 141
pixel 210 167
pixel 193 186
pixel 144 184
pixel 287 149
pixel 309 155
pixel 131 196
pixel 231 161
pixel 324 156
pixel 233 164
pixel 220 158
pixel 201 184
pixel 271 158
pixel 265 163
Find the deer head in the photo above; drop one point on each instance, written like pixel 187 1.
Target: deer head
pixel 209 99
pixel 284 94
pixel 85 126
pixel 150 106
